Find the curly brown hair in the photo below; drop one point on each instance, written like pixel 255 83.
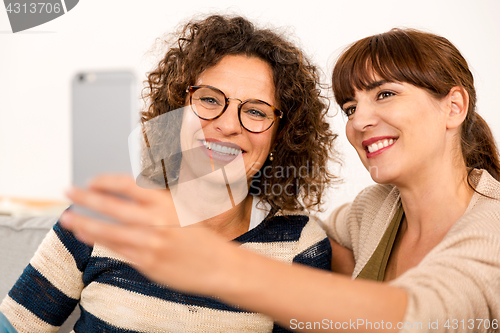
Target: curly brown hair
pixel 304 139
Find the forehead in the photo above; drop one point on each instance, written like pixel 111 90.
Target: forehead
pixel 362 77
pixel 359 79
pixel 242 77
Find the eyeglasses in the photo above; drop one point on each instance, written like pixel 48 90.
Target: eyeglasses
pixel 209 103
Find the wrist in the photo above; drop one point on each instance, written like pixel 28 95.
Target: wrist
pixel 232 274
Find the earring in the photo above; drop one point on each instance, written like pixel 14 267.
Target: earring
pixel 271 157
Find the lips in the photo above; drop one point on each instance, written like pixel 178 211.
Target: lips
pixel 377 144
pixel 222 148
pixel 220 151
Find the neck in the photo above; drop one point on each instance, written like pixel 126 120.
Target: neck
pixel 209 204
pixel 435 202
pixel 233 222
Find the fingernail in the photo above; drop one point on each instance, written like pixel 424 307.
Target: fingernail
pixel 69 192
pixel 81 237
pixel 66 219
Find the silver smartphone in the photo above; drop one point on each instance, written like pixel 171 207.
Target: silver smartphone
pixel 104 109
pixel 104 112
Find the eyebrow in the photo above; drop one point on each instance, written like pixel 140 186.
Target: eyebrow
pixel 369 87
pixel 375 84
pixel 347 100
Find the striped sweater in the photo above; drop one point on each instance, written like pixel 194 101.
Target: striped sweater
pixel 114 297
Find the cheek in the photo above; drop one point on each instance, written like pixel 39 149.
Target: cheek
pixel 350 133
pixel 192 124
pixel 188 128
pixel 261 147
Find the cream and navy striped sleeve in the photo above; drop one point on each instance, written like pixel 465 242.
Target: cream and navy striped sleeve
pixel 50 286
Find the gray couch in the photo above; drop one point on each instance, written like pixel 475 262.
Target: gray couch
pixel 19 239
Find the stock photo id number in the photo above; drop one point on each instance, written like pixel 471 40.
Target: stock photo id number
pixel 24 15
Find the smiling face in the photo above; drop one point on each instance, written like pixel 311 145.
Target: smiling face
pixel 223 139
pixel 398 130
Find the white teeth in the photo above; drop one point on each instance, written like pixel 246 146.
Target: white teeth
pixel 221 149
pixel 380 144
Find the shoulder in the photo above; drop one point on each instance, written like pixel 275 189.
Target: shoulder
pixel 298 226
pixel 290 237
pixel 373 197
pixel 485 184
pixel 307 224
pixel 312 233
pixel 483 212
pixel 376 204
pixel 313 247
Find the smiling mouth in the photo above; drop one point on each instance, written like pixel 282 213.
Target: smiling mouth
pixel 221 148
pixel 376 146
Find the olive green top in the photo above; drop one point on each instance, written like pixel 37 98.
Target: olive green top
pixel 376 265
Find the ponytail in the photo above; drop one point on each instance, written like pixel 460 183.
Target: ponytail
pixel 478 146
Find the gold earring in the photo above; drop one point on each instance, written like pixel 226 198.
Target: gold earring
pixel 271 157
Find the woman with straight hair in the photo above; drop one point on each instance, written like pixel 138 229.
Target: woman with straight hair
pixel 422 246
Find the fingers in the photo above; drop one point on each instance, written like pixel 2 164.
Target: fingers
pixel 113 236
pixel 110 195
pixel 126 186
pixel 179 257
pixel 141 245
pixel 120 209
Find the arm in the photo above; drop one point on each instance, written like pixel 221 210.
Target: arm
pixel 342 259
pixel 49 288
pixel 458 283
pixel 459 279
pixel 196 260
pixel 304 294
pixel 336 226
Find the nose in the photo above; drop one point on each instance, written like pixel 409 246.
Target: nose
pixel 228 123
pixel 364 117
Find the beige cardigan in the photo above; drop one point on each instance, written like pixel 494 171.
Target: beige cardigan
pixel 458 282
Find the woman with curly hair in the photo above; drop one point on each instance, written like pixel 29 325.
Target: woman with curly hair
pixel 242 103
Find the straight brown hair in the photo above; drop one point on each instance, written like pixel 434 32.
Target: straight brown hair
pixel 426 61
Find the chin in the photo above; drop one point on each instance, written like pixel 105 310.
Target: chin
pixel 381 175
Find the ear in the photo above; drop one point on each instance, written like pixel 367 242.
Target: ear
pixel 457 102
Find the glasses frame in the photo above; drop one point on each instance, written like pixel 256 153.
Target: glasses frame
pixel 192 89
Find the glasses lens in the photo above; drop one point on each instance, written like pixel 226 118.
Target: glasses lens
pixel 207 103
pixel 256 116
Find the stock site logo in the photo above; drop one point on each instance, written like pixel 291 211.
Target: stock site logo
pixel 25 14
pixel 170 151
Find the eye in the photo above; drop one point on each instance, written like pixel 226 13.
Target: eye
pixel 255 113
pixel 349 110
pixel 209 100
pixel 384 94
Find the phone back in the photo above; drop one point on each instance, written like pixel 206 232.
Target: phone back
pixel 103 111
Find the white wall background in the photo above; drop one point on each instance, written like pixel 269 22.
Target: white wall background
pixel 36 66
